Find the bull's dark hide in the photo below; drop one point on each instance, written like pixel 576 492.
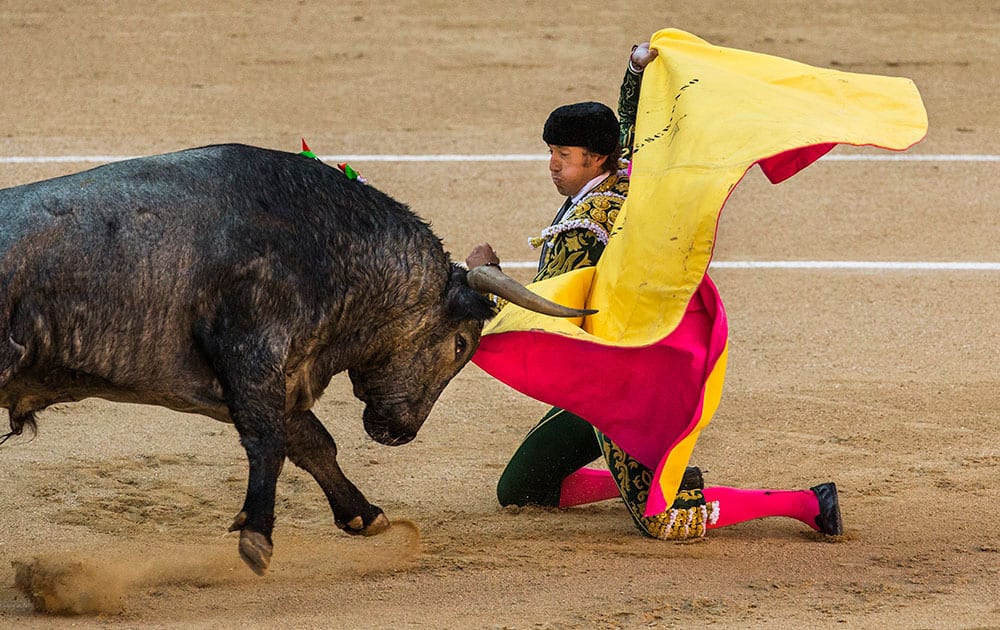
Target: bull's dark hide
pixel 233 282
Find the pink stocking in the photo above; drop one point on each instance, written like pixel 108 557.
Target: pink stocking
pixel 588 485
pixel 737 505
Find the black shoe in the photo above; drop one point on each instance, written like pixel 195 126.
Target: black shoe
pixel 828 519
pixel 692 479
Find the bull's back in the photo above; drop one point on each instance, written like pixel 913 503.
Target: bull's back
pixel 211 203
pixel 119 208
pixel 106 272
pixel 103 273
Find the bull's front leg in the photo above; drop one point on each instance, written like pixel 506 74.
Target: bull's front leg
pixel 311 447
pixel 262 437
pixel 253 384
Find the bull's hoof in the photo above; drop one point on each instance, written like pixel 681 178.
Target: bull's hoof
pixel 256 551
pixel 377 526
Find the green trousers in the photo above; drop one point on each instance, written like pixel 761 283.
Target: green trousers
pixel 560 444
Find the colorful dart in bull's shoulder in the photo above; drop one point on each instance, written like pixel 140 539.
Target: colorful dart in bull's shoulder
pixel 306 151
pixel 351 173
pixel 344 167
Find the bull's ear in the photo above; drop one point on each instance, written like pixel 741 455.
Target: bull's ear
pixel 465 302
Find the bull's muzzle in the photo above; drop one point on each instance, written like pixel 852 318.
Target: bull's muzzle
pixel 385 431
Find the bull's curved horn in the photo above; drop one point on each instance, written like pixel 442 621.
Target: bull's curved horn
pixel 489 279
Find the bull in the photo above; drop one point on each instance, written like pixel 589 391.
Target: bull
pixel 235 282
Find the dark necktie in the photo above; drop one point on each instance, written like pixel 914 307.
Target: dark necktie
pixel 562 208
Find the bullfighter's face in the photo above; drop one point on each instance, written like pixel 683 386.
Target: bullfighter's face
pixel 572 167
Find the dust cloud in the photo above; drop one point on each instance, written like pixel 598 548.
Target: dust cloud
pixel 78 583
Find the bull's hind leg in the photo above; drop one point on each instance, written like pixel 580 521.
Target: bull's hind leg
pixel 311 448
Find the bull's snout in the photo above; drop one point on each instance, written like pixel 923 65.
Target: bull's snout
pixel 384 431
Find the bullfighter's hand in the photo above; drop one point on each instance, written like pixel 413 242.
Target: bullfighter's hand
pixel 642 55
pixel 482 254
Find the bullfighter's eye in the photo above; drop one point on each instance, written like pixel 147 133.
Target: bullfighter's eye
pixel 460 345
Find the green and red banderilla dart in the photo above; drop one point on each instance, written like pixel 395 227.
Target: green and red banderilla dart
pixel 344 166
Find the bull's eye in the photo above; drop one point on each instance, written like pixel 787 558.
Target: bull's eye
pixel 460 345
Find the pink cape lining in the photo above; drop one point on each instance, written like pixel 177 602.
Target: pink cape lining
pixel 646 399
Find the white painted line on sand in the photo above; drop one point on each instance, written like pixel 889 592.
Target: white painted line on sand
pixel 501 157
pixel 874 265
pixel 910 157
pixel 877 265
pixel 59 159
pixel 521 157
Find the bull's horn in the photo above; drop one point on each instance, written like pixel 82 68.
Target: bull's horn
pixel 489 279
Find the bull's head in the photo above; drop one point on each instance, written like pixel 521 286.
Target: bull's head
pixel 399 392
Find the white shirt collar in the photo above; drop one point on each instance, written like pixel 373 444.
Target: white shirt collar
pixel 589 186
pixel 575 199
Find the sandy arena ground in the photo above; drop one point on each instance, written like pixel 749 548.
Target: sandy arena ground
pixel 884 381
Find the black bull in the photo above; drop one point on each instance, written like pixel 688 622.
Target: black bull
pixel 234 282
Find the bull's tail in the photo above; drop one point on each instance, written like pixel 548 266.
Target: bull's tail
pixel 11 354
pixel 18 422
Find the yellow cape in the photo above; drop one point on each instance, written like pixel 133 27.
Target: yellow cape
pixel 706 115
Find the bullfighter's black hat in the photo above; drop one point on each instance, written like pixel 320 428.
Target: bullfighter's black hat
pixel 590 125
